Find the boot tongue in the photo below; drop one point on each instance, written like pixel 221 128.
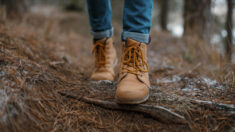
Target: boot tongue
pixel 99 51
pixel 100 40
pixel 131 42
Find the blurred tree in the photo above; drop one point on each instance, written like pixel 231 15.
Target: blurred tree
pixel 229 27
pixel 75 5
pixel 14 8
pixel 197 16
pixel 164 4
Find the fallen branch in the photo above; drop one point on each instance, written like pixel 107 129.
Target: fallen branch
pixel 163 114
pixel 214 105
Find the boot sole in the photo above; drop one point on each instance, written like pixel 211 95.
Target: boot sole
pixel 137 101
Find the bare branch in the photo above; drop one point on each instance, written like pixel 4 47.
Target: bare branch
pixel 163 114
pixel 214 105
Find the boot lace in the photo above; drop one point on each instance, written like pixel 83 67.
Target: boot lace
pixel 99 52
pixel 133 60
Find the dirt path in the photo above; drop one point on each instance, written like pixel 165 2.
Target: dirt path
pixel 45 54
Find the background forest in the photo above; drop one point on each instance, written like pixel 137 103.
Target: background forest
pixel 210 20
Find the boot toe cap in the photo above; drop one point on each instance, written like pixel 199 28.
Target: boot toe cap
pixel 129 95
pixel 102 76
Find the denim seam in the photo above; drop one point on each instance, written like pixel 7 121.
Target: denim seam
pixel 99 35
pixel 140 37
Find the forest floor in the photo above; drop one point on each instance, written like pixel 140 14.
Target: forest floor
pixel 44 54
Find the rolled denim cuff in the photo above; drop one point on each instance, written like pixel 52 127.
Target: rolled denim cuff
pixel 140 37
pixel 103 34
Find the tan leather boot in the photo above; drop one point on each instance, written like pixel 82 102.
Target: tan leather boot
pixel 105 59
pixel 133 83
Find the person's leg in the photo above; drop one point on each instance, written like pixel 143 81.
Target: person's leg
pixel 100 16
pixel 137 20
pixel 133 83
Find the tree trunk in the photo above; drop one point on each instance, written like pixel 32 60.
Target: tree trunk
pixel 229 27
pixel 197 16
pixel 164 14
pixel 14 8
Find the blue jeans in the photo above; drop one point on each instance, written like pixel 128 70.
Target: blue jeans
pixel 137 19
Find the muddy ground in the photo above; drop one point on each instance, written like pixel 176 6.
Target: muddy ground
pixel 45 53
